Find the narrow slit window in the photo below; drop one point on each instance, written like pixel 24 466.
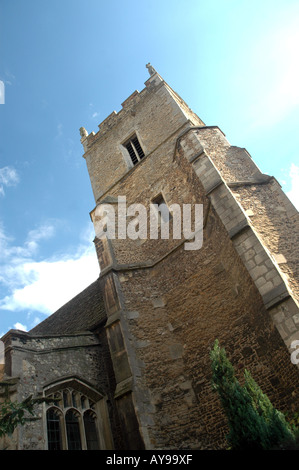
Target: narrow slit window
pixel 134 149
pixel 162 210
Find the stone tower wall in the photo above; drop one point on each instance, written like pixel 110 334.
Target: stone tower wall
pixel 154 115
pixel 166 305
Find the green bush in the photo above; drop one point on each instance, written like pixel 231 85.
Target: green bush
pixel 252 420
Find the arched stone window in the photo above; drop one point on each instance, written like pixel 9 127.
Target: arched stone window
pixel 90 428
pixel 54 421
pixel 77 417
pixel 72 424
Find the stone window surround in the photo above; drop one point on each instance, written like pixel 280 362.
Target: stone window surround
pixel 95 403
pixel 163 214
pixel 124 151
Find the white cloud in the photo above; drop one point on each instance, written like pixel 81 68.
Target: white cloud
pixel 293 193
pixel 43 286
pixel 95 113
pixel 35 321
pixel 47 285
pixel 274 65
pixel 2 92
pixel 59 131
pixel 8 177
pixel 15 254
pixel 19 326
pixel 45 231
pixel 1 352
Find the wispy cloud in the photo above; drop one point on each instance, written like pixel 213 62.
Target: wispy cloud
pixel 59 131
pixel 19 326
pixel 293 193
pixel 9 252
pixel 10 77
pixel 8 177
pixel 275 62
pixel 41 287
pixel 49 284
pixel 2 92
pixel 94 114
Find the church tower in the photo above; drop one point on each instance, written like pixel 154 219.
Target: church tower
pixel 195 245
pixel 232 277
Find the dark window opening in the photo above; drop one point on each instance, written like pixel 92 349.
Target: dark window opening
pixel 72 431
pixel 92 441
pixel 134 149
pixel 53 428
pixel 162 209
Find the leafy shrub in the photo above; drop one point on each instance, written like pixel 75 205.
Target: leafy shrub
pixel 252 420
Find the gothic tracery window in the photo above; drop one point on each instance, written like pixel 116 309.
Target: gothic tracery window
pixel 73 430
pixel 54 429
pixel 72 420
pixel 90 430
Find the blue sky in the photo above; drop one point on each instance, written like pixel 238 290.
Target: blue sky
pixel 66 64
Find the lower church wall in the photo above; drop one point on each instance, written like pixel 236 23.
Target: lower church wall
pixel 36 363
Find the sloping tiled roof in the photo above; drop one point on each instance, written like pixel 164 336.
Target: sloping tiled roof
pixel 82 313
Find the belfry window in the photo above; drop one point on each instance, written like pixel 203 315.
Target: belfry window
pixel 134 149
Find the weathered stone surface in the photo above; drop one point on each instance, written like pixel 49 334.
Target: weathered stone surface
pixel 161 307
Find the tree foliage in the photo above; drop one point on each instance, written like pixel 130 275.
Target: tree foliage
pixel 13 414
pixel 253 421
